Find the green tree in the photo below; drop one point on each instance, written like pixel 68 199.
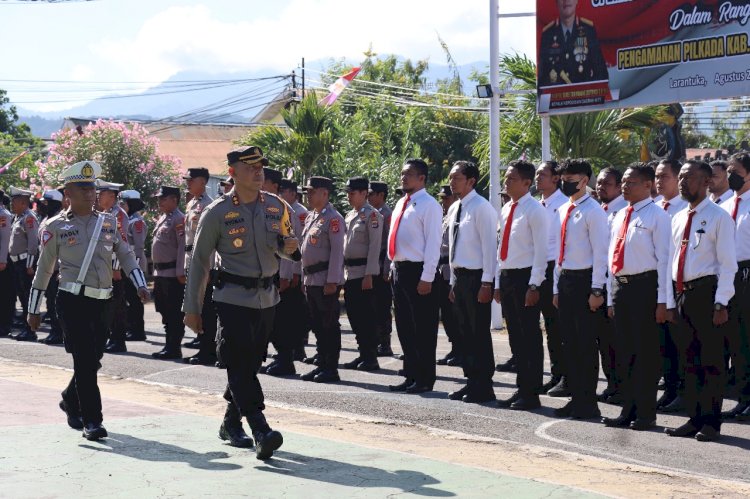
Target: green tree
pixel 16 138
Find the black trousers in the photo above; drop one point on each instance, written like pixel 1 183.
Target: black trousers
pixel 22 285
pixel 291 321
pixel 134 308
pixel 673 363
pixel 7 299
pixel 119 322
pixel 85 325
pixel 448 315
pixel 416 323
pixel 168 296
pixel 324 317
pixel 737 333
pixel 241 344
pixel 523 322
pixel 705 373
pixel 473 320
pixel 209 320
pixel 50 295
pixel 607 342
pixel 578 336
pixel 551 323
pixel 383 303
pixel 637 344
pixel 360 308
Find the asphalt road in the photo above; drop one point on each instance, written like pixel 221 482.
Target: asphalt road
pixel 366 395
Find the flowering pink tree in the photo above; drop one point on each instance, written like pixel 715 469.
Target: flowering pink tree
pixel 125 151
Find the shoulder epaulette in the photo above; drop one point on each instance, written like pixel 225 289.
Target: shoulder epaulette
pixel 586 21
pixel 552 23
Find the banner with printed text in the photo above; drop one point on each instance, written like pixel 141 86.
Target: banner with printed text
pixel 604 54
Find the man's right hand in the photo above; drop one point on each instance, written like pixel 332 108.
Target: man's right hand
pixel 194 322
pixel 34 320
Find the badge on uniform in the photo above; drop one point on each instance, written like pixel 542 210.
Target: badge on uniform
pixel 578 215
pixel 334 225
pixel 46 236
pixel 302 218
pixel 138 226
pixel 374 220
pixel 275 226
pixel 237 243
pixel 106 224
pixel 30 221
pixel 237 230
pixel 313 240
pixel 272 209
pixel 231 214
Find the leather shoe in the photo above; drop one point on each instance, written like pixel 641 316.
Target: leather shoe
pixel 220 365
pixel 277 368
pixel 368 366
pixel 201 360
pixel 384 351
pixel 508 366
pixel 311 360
pixel 587 413
pixel 707 434
pixel 561 389
pixel 456 361
pixel 53 339
pixel 26 336
pixel 94 431
pixel 665 400
pixel 299 355
pixel 74 420
pixel 458 394
pixel 619 421
pixel 401 387
pixel 311 375
pixel 235 435
pixel 643 424
pixel 677 405
pixel 565 411
pixel 735 411
pixel 327 376
pixel 479 397
pixel 266 443
pixel 444 361
pixel 194 343
pixel 167 354
pixel 686 430
pixel 615 399
pixel 115 347
pixel 351 364
pixel 133 336
pixel 606 393
pixel 417 388
pixel 549 385
pixel 506 403
pixel 526 404
pixel 399 356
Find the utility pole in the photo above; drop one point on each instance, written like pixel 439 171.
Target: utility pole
pixel 303 77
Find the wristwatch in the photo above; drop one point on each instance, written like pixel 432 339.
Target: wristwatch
pixel 533 287
pixel 718 307
pixel 598 292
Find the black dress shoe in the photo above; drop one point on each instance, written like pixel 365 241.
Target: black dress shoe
pixel 677 405
pixel 194 343
pixel 278 368
pixel 327 376
pixel 586 413
pixel 74 420
pixel 115 347
pixel 707 434
pixel 735 411
pixel 686 430
pixel 351 364
pixel 456 361
pixel 561 389
pixel 53 339
pixel 506 403
pixel 402 386
pixel 549 385
pixel 235 435
pixel 526 404
pixel 399 356
pixel 606 393
pixel 384 351
pixel 133 336
pixel 666 399
pixel 201 360
pixel 94 431
pixel 26 336
pixel 458 394
pixel 167 354
pixel 315 360
pixel 417 388
pixel 643 424
pixel 619 421
pixel 615 399
pixel 565 411
pixel 444 361
pixel 745 416
pixel 220 365
pixel 266 443
pixel 479 397
pixel 311 375
pixel 368 366
pixel 299 355
pixel 507 367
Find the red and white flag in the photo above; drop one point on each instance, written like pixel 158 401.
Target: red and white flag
pixel 338 86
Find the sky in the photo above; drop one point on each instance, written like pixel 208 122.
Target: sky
pixel 152 40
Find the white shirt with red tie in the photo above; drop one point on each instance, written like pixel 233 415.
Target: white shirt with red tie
pixel 420 232
pixel 475 245
pixel 673 206
pixel 614 207
pixel 552 204
pixel 741 223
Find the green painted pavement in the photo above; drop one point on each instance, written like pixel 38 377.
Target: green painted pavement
pixel 172 456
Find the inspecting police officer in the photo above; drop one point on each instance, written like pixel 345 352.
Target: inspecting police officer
pixel 131 202
pixel 83 241
pixel 23 250
pixel 248 229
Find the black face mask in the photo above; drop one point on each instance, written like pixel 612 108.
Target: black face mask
pixel 570 188
pixel 736 181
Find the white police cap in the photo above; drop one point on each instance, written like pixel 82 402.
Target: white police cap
pixel 130 194
pixel 15 191
pixel 83 173
pixel 53 195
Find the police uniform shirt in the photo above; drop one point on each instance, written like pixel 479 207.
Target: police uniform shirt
pixel 193 211
pixel 710 251
pixel 6 226
pixel 586 240
pixel 288 268
pixel 673 206
pixel 570 55
pixel 247 239
pixel 444 268
pixel 66 239
pixel 742 224
pixel 385 263
pixel 24 237
pixel 323 241
pixel 137 231
pixel 419 232
pixel 552 204
pixel 646 244
pixel 364 230
pixel 528 242
pixel 123 223
pixel 168 245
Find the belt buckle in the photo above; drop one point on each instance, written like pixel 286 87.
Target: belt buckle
pixel 622 279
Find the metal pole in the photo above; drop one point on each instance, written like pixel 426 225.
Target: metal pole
pixel 303 77
pixel 546 150
pixel 495 106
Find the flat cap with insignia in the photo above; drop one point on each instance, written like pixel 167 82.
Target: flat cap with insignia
pixel 249 155
pixel 286 184
pixel 103 185
pixel 378 186
pixel 196 173
pixel 319 183
pixel 357 184
pixel 53 195
pixel 227 181
pixel 445 191
pixel 16 192
pixel 272 175
pixel 166 190
pixel 83 173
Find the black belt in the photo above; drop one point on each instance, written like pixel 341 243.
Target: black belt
pixel 246 282
pixel 165 266
pixel 316 267
pixel 460 271
pixel 700 282
pixel 407 263
pixel 354 262
pixel 629 279
pixel 504 272
pixel 443 260
pixel 575 271
pixel 744 264
pixel 188 247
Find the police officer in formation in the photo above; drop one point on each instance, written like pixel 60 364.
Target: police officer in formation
pixel 8 296
pixel 51 204
pixel 443 284
pixel 131 202
pixel 377 197
pixel 83 241
pixel 22 252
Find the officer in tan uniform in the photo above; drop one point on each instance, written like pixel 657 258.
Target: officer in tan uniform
pixel 23 250
pixel 248 229
pixel 289 192
pixel 131 202
pixel 377 197
pixel 83 241
pixel 323 274
pixel 227 184
pixel 168 255
pixel 7 291
pixel 51 202
pixel 196 179
pixel 364 230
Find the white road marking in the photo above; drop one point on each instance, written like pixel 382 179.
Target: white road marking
pixel 169 371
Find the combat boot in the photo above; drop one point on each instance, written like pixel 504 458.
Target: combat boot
pixel 266 439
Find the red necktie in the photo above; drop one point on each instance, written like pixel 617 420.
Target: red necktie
pixel 506 232
pixel 396 223
pixel 736 206
pixel 562 233
pixel 683 251
pixel 605 206
pixel 618 255
pixel 665 205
